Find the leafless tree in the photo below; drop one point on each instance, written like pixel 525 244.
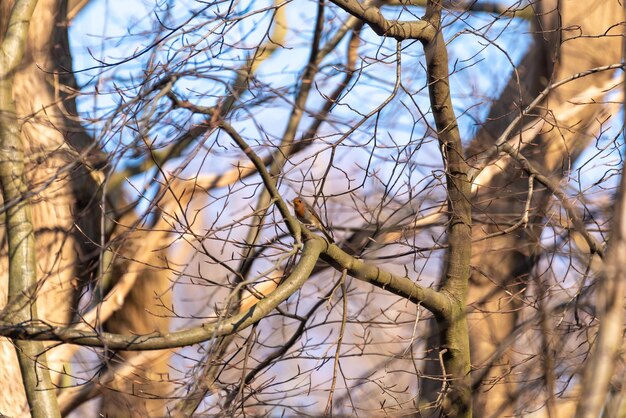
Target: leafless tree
pixel 465 157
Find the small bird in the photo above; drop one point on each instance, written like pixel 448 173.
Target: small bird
pixel 306 214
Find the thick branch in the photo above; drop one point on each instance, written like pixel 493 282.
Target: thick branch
pixel 436 302
pixel 453 327
pixel 205 332
pixel 405 287
pixel 421 30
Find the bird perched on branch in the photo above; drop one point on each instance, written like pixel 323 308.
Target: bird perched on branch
pixel 307 215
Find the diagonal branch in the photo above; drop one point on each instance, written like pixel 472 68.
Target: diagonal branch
pixel 33 331
pixel 421 30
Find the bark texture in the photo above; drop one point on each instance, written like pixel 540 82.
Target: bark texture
pixel 62 190
pixel 453 334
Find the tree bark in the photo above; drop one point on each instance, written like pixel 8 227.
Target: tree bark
pixel 61 189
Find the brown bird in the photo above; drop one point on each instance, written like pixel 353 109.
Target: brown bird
pixel 307 215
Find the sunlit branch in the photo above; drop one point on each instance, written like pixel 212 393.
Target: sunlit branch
pixel 299 275
pixel 400 30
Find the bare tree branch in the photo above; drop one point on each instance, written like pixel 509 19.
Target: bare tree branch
pixel 400 30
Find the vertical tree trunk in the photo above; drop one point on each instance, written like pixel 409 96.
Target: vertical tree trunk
pixel 502 264
pixel 61 195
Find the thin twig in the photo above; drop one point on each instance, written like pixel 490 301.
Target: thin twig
pixel 329 404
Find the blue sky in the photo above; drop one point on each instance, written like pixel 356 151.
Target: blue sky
pixel 481 54
pixel 107 33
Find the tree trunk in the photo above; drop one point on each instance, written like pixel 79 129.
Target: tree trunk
pixel 502 265
pixel 63 191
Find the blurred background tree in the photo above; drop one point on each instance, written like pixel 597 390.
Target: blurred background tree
pixel 466 156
